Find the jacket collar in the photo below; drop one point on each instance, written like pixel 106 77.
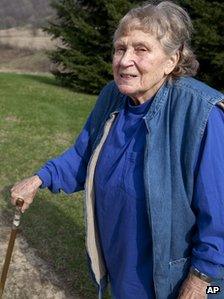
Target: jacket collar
pixel 158 101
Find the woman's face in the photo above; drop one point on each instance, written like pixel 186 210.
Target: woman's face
pixel 140 65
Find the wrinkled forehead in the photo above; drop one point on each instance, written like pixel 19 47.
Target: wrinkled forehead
pixel 129 25
pixel 135 38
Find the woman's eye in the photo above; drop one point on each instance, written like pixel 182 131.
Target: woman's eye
pixel 141 49
pixel 119 50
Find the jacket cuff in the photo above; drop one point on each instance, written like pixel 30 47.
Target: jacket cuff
pixel 45 178
pixel 212 270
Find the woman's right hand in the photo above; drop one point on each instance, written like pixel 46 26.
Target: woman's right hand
pixel 25 190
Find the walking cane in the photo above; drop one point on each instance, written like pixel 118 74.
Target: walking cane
pixel 15 226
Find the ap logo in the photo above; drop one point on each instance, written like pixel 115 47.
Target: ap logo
pixel 212 290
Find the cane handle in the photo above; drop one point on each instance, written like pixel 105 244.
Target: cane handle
pixel 19 202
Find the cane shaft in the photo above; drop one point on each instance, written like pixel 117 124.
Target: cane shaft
pixel 7 260
pixel 15 226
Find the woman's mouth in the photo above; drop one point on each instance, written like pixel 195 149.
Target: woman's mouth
pixel 128 76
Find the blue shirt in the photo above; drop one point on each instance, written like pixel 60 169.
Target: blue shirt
pixel 121 206
pixel 67 172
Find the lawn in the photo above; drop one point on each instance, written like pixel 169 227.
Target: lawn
pixel 39 120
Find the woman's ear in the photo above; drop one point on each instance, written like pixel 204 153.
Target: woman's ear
pixel 172 62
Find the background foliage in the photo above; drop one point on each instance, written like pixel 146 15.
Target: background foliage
pixel 208 40
pixel 86 28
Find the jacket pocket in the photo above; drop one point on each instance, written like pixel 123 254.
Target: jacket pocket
pixel 178 272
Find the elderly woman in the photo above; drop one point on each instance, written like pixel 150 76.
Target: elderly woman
pixel 150 157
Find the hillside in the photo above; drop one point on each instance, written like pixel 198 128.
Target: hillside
pixel 24 50
pixel 25 38
pixel 23 44
pixel 15 13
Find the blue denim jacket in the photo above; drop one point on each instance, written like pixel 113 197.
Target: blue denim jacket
pixel 167 150
pixel 176 121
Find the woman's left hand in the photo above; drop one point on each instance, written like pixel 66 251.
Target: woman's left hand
pixel 193 288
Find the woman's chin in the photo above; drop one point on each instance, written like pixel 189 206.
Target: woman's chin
pixel 126 89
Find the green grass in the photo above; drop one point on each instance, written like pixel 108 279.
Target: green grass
pixel 39 120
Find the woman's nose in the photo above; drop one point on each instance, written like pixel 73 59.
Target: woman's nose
pixel 127 58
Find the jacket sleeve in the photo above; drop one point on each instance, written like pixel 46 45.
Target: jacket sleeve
pixel 208 201
pixel 67 172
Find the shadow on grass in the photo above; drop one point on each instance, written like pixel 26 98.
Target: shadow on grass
pixel 58 239
pixel 46 79
pixel 50 80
